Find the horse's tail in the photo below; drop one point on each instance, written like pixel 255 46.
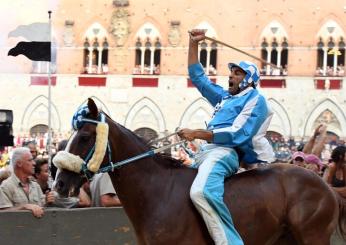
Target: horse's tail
pixel 342 215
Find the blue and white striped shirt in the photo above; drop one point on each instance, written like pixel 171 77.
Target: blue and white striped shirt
pixel 240 120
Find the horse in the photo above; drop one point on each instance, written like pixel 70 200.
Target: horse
pixel 275 204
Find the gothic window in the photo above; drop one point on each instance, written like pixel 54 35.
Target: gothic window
pixel 138 55
pixel 208 57
pixel 274 49
pixel 95 57
pixel 275 53
pixel 330 50
pixel 213 55
pixel 38 130
pixel 203 54
pixel 147 50
pixel 284 54
pixel 86 53
pixel 157 57
pixel 330 57
pixel 95 53
pixel 320 46
pixel 104 57
pixel 341 57
pixel 264 55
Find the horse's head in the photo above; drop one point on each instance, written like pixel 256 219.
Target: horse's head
pixel 85 151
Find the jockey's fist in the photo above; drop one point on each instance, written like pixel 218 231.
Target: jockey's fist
pixel 186 134
pixel 197 35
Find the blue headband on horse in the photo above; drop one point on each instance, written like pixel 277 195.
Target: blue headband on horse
pixel 80 114
pixel 251 70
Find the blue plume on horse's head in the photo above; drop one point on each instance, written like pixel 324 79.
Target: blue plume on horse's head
pixel 77 119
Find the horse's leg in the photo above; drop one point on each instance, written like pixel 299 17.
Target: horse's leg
pixel 313 219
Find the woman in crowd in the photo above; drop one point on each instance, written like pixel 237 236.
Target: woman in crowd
pixel 335 175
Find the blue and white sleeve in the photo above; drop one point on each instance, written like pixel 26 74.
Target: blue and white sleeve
pixel 212 92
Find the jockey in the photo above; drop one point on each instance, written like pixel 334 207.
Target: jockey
pixel 240 120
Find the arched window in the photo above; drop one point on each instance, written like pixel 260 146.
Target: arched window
pixel 274 49
pixel 147 50
pixel 157 57
pixel 264 55
pixel 276 54
pixel 86 55
pixel 137 68
pixel 95 54
pixel 213 58
pixel 330 50
pixel 208 57
pixel 203 54
pixel 284 56
pixel 104 57
pixel 38 130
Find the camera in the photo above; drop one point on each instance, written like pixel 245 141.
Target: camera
pixel 6 120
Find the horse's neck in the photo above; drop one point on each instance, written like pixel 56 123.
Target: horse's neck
pixel 137 174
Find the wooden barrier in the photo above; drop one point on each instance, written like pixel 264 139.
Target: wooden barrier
pixel 86 226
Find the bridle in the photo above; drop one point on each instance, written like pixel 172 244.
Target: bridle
pixel 90 165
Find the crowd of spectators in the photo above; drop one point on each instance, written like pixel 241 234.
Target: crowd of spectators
pixel 340 71
pixel 26 182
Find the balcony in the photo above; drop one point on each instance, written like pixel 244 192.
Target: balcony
pixel 273 82
pixel 95 81
pixel 328 83
pixel 42 80
pixel 145 82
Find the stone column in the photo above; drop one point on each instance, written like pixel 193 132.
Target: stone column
pixel 142 59
pixel 325 52
pixel 335 62
pixel 90 63
pixel 152 50
pixel 99 65
pixel 208 60
pixel 269 51
pixel 278 63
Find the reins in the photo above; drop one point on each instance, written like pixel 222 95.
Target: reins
pixel 150 153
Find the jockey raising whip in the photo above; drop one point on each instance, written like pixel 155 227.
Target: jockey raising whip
pixel 240 120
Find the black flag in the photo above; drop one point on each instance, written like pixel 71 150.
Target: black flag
pixel 39 46
pixel 37 51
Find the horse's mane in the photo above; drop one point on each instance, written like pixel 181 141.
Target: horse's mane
pixel 161 158
pixel 168 161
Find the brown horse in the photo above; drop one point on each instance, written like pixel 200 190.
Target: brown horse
pixel 278 204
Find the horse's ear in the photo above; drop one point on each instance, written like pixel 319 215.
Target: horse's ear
pixel 92 108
